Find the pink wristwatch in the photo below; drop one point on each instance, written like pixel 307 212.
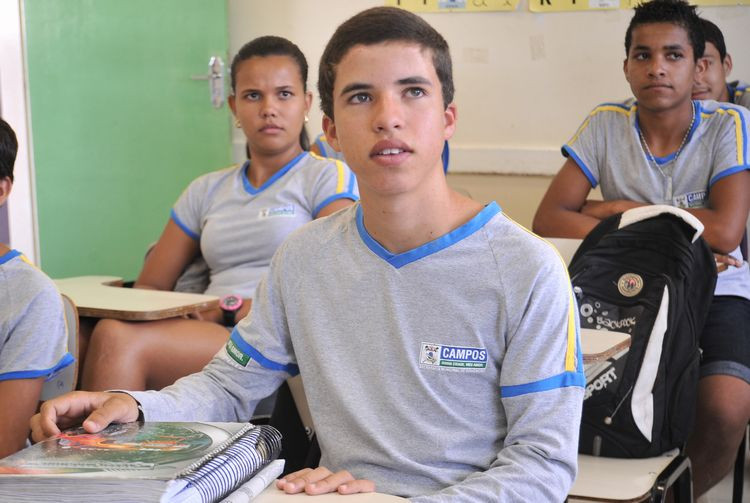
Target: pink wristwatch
pixel 229 305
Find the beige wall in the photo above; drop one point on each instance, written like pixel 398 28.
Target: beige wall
pixel 524 81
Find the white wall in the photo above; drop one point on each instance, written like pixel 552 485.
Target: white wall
pixel 524 81
pixel 13 110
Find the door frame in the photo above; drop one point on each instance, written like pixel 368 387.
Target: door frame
pixel 14 106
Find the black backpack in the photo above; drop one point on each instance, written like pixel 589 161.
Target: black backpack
pixel 645 272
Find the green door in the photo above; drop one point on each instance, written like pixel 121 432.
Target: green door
pixel 120 123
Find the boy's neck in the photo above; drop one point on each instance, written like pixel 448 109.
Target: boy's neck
pixel 405 222
pixel 665 130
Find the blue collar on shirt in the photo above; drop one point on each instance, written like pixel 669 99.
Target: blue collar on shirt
pixel 401 259
pixel 252 190
pixel 9 256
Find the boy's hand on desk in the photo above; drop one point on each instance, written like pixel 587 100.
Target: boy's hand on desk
pixel 98 408
pixel 724 261
pixel 605 209
pixel 321 480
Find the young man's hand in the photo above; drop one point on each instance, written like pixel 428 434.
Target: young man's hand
pixel 321 480
pixel 724 261
pixel 95 409
pixel 605 209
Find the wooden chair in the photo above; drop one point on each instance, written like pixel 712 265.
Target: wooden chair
pixel 66 379
pixel 633 480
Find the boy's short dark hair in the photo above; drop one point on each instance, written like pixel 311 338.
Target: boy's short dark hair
pixel 377 25
pixel 8 150
pixel 676 12
pixel 712 33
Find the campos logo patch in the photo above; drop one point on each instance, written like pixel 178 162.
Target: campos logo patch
pixel 279 211
pixel 440 356
pixel 695 199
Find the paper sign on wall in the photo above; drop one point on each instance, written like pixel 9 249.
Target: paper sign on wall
pixel 454 5
pixel 576 5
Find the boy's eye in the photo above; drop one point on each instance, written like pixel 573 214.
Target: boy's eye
pixel 674 56
pixel 359 98
pixel 415 92
pixel 285 94
pixel 253 96
pixel 640 56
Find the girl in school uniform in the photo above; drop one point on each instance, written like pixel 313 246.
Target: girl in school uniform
pixel 234 219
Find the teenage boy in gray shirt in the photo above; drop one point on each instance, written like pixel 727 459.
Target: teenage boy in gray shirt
pixel 711 83
pixel 437 339
pixel 665 148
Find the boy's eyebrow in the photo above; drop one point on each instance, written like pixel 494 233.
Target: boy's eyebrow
pixel 361 86
pixel 670 47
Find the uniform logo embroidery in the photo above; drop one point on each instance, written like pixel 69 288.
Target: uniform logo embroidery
pixel 630 284
pixel 695 199
pixel 237 354
pixel 279 211
pixel 444 357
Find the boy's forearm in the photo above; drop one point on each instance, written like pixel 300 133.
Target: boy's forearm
pixel 564 223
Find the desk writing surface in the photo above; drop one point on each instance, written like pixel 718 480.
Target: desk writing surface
pixel 599 345
pixel 273 495
pixel 104 297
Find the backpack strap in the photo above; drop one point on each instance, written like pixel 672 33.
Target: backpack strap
pixel 645 212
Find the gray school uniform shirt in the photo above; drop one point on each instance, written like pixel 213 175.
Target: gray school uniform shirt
pixel 33 334
pixel 739 93
pixel 239 226
pixel 607 148
pixel 451 372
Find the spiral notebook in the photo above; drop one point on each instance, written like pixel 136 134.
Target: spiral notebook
pixel 150 462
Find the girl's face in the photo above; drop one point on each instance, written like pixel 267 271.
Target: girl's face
pixel 270 103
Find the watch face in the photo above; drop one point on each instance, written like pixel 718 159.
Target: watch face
pixel 230 302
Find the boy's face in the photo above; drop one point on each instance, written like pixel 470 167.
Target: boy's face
pixel 711 83
pixel 390 120
pixel 660 66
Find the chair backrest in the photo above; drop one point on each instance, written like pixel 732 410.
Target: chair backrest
pixel 66 379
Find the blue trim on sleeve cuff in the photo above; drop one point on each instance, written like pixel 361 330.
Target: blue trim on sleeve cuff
pixel 352 182
pixel 581 165
pixel 564 380
pixel 66 360
pixel 256 355
pixel 330 199
pixel 434 246
pixel 727 172
pixel 9 256
pixel 184 227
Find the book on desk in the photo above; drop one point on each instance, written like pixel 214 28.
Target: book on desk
pixel 152 461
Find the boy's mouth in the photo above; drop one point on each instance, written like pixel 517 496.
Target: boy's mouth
pixel 389 148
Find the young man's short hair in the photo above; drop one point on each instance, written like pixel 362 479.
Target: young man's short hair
pixel 8 150
pixel 712 33
pixel 377 25
pixel 676 12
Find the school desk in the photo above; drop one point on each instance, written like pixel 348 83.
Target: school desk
pixel 273 495
pixel 104 297
pixel 599 345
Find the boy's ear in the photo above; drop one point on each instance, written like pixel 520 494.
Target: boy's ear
pixel 625 69
pixel 701 66
pixel 450 115
pixel 232 104
pixel 5 186
pixel 727 65
pixel 329 128
pixel 308 101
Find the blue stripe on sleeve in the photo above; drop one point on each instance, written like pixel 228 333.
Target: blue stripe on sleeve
pixel 184 227
pixel 322 148
pixel 9 256
pixel 256 355
pixel 564 380
pixel 727 172
pixel 352 181
pixel 66 360
pixel 582 165
pixel 330 199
